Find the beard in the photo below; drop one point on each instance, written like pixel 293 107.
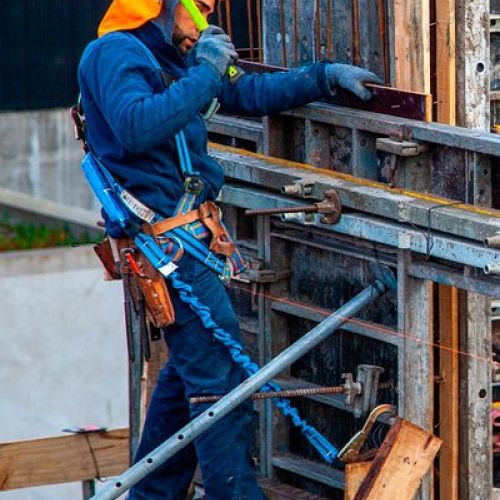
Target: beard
pixel 178 36
pixel 180 39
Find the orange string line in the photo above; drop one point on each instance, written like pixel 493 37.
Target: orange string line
pixel 380 328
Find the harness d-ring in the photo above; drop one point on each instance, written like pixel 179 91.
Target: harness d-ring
pixel 181 248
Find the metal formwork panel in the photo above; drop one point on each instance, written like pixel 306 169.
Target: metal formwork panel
pixel 402 333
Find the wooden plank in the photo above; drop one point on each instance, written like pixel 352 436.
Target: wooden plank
pixel 372 29
pixel 475 398
pixel 473 111
pixel 449 392
pixel 447 297
pixel 412 45
pixel 341 30
pixel 64 459
pixel 417 303
pixel 405 456
pixel 273 44
pixel 303 40
pixel 473 63
pixel 446 62
pixel 355 474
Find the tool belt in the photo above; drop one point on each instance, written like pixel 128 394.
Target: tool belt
pixel 208 214
pixel 127 257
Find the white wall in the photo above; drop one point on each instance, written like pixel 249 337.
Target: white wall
pixel 63 360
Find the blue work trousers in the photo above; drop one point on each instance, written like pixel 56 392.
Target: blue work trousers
pixel 199 365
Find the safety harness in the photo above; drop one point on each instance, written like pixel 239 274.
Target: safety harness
pixel 163 242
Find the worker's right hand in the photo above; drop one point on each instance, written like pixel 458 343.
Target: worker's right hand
pixel 216 48
pixel 351 78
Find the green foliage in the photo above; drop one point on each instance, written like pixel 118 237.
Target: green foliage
pixel 30 235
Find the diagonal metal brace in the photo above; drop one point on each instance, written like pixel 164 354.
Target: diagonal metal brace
pixel 205 420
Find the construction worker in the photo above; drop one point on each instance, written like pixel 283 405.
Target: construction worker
pixel 132 115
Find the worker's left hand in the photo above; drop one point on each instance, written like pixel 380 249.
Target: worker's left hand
pixel 351 78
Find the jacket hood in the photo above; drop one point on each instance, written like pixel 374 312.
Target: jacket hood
pixel 123 15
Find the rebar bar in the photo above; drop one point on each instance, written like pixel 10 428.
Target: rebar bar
pixel 492 241
pixel 292 393
pixel 250 29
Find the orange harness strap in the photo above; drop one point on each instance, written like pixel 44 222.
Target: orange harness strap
pixel 208 214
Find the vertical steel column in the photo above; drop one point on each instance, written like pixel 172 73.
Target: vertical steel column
pixel 418 359
pixel 265 350
pixel 134 325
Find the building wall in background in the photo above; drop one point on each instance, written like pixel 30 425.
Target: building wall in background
pixel 40 156
pixel 40 45
pixel 63 345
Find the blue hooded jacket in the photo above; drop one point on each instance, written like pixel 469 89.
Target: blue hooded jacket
pixel 131 118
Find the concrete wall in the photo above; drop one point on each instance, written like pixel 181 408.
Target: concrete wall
pixel 39 156
pixel 63 350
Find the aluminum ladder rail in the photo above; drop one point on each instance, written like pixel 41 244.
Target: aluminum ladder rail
pixel 384 282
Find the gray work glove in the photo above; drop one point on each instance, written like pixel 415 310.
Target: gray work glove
pixel 216 48
pixel 351 78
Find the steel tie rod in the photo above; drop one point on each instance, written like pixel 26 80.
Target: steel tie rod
pixel 216 412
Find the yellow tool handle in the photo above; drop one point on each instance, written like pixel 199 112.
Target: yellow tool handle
pixel 201 24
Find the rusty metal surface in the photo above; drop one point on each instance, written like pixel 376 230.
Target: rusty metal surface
pixel 448 173
pixel 389 101
pixel 496 182
pixel 386 100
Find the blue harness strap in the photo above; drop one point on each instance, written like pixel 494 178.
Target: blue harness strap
pixel 123 209
pixel 107 192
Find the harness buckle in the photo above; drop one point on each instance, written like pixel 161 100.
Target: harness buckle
pixel 193 185
pixel 212 260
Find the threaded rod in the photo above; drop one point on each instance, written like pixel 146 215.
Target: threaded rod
pixel 307 209
pixel 295 393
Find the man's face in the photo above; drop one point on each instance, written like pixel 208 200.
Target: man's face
pixel 185 33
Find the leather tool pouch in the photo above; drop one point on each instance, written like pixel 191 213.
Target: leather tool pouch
pixel 105 254
pixel 159 308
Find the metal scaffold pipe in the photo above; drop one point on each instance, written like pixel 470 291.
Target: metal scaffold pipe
pixel 204 421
